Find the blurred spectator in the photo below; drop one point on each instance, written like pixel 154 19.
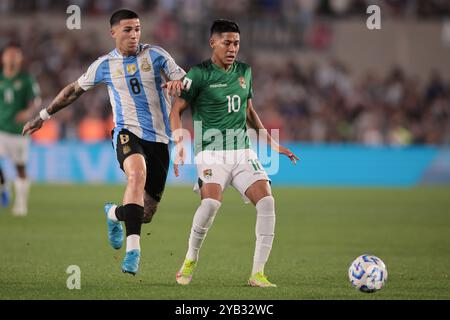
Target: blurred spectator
pixel 92 127
pixel 48 134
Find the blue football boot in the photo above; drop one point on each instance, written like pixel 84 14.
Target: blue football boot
pixel 131 262
pixel 115 229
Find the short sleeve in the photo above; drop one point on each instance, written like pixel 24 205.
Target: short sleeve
pixel 192 83
pixel 168 64
pixel 172 70
pixel 94 75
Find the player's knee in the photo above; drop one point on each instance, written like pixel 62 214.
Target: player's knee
pixel 204 216
pixel 211 206
pixel 136 178
pixel 266 205
pixel 265 221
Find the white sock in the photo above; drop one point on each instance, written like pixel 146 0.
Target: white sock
pixel 133 242
pixel 203 219
pixel 21 194
pixel 112 213
pixel 265 231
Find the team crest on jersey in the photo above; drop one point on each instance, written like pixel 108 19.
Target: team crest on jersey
pixel 207 173
pixel 17 85
pixel 145 65
pixel 131 69
pixel 242 82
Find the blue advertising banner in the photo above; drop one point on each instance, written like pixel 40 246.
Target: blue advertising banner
pixel 320 165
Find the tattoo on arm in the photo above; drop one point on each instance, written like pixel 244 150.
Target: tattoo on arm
pixel 67 95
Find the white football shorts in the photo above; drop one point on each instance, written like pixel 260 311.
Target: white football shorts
pixel 240 168
pixel 15 147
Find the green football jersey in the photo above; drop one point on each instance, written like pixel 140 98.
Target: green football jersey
pixel 218 100
pixel 15 95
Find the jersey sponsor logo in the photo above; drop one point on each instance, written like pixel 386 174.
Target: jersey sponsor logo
pixel 218 85
pixel 131 69
pixel 242 82
pixel 17 85
pixel 145 65
pixel 187 83
pixel 207 173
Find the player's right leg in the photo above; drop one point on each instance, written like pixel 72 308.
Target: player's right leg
pixel 21 187
pixel 130 156
pixel 133 210
pixel 211 197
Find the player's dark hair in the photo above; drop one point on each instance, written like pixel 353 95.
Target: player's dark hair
pixel 222 25
pixel 11 44
pixel 122 14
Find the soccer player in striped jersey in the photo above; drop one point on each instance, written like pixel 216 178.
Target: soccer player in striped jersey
pixel 135 75
pixel 219 92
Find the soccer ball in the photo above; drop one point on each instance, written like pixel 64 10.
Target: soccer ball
pixel 368 273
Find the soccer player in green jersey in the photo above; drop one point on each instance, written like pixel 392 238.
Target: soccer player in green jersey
pixel 219 92
pixel 19 98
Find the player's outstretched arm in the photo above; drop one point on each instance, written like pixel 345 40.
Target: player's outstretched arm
pixel 64 98
pixel 254 122
pixel 177 131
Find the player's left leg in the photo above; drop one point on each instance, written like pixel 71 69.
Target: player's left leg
pixel 21 188
pixel 157 160
pixel 259 193
pixel 251 180
pixel 131 157
pixel 133 210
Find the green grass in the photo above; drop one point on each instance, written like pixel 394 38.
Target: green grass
pixel 318 233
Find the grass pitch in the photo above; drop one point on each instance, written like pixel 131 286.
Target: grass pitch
pixel 318 233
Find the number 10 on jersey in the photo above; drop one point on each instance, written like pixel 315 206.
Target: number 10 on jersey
pixel 234 103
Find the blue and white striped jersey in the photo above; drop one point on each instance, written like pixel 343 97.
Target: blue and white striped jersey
pixel 138 102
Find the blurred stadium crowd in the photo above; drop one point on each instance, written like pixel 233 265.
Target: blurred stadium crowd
pixel 239 8
pixel 318 103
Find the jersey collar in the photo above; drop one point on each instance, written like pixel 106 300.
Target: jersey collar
pixel 139 50
pixel 222 70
